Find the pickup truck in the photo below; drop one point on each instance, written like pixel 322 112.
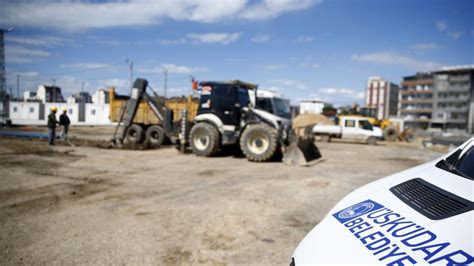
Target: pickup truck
pixel 350 127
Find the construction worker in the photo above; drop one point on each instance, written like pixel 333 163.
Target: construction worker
pixel 52 125
pixel 64 121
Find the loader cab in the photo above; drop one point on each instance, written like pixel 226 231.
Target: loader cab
pixel 224 100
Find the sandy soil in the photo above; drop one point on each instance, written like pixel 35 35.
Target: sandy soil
pixel 70 205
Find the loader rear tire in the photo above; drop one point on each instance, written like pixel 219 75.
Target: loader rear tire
pixel 134 134
pixel 258 142
pixel 204 139
pixel 155 136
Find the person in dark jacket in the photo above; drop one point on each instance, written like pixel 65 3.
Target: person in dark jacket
pixel 64 121
pixel 52 125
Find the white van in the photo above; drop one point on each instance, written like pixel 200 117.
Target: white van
pixel 423 215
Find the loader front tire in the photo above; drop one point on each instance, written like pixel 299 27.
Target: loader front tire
pixel 204 139
pixel 134 134
pixel 258 142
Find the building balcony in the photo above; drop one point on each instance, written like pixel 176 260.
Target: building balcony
pixel 414 92
pixel 413 101
pixel 456 88
pixel 454 99
pixel 422 120
pixel 454 109
pixel 460 78
pixel 417 110
pixel 417 82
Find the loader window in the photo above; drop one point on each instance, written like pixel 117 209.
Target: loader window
pixel 265 104
pixel 243 97
pixel 282 108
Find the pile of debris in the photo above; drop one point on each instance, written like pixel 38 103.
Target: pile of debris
pixel 307 121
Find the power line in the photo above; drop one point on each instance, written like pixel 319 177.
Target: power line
pixel 80 71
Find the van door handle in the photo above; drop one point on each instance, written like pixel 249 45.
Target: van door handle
pixel 227 112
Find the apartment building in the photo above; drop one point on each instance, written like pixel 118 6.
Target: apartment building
pixel 381 97
pixel 453 102
pixel 439 99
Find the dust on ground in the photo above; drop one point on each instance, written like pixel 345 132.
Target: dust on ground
pixel 86 205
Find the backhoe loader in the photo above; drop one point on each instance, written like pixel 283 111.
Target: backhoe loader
pixel 226 115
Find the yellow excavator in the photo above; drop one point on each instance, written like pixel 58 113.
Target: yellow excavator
pixel 391 128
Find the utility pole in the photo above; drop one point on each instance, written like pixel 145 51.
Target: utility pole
pixel 166 82
pixel 130 69
pixel 18 86
pixel 82 86
pixel 3 76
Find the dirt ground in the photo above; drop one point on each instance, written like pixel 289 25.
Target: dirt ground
pixel 86 205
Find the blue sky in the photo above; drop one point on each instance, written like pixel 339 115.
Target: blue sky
pixel 306 49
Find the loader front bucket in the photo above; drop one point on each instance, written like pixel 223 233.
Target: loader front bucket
pixel 301 151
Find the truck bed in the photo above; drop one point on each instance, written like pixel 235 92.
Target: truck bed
pixel 327 129
pixel 145 115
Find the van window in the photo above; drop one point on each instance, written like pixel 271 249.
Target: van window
pixel 365 124
pixel 350 123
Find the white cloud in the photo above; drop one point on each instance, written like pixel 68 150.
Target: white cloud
pixel 441 25
pixel 222 38
pixel 46 41
pixel 22 55
pixel 456 34
pixel 309 65
pixel 425 46
pixel 339 96
pixel 273 67
pixel 388 58
pixel 121 84
pixel 304 39
pixel 205 38
pixel 272 8
pixel 261 38
pixel 173 69
pixel 84 66
pixel 73 15
pixel 289 84
pixel 173 42
pixel 109 42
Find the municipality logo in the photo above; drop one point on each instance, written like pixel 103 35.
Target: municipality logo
pixel 356 210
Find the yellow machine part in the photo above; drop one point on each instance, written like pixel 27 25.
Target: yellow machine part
pixel 145 114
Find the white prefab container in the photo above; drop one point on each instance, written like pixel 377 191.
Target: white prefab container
pixel 25 113
pixel 97 114
pixel 72 110
pixel 311 107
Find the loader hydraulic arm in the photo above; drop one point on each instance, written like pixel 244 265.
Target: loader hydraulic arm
pixel 139 93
